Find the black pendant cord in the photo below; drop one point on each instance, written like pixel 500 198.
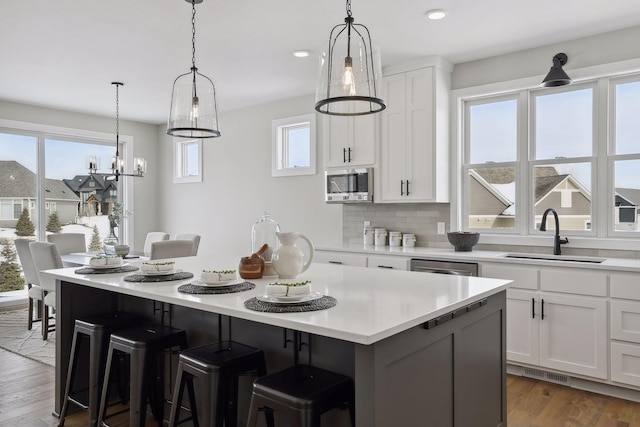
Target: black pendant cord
pixel 193 47
pixel 117 161
pixel 349 21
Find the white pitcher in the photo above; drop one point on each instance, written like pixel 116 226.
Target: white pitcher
pixel 288 259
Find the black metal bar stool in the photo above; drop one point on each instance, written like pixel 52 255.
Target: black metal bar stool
pixel 97 329
pixel 304 392
pixel 218 366
pixel 145 346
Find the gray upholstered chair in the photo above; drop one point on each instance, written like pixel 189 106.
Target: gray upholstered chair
pixel 153 236
pixel 171 249
pixel 46 257
pixel 68 242
pixel 195 238
pixel 34 291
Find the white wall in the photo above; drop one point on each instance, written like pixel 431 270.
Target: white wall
pixel 237 186
pixel 144 145
pixel 600 49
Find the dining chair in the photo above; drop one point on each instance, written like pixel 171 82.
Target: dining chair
pixel 46 257
pixel 153 236
pixel 195 238
pixel 171 249
pixel 68 242
pixel 34 291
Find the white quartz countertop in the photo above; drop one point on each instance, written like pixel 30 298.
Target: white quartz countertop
pixel 570 261
pixel 373 304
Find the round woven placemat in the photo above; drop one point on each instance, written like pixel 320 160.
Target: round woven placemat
pixel 269 307
pixel 169 277
pixel 90 270
pixel 190 288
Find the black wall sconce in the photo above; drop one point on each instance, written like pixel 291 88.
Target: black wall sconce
pixel 556 75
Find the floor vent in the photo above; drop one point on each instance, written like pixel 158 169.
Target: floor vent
pixel 547 376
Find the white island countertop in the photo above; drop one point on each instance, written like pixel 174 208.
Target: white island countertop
pixel 372 304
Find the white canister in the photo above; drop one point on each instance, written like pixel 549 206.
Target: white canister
pixel 395 238
pixel 409 240
pixel 380 236
pixel 368 236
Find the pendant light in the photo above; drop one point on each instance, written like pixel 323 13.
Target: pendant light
pixel 350 71
pixel 194 111
pixel 117 164
pixel 556 75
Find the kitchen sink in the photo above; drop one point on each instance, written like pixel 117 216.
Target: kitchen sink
pixel 567 258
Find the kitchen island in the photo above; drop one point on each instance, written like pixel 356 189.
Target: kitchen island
pixel 421 348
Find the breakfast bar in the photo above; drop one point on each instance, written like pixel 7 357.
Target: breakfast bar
pixel 418 346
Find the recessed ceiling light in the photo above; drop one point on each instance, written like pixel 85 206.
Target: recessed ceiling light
pixel 301 53
pixel 436 14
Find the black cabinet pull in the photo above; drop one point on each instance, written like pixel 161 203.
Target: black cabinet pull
pixel 344 155
pixel 385 266
pixel 349 155
pixel 533 308
pixel 407 187
pixel 402 187
pixel 542 309
pixel 335 262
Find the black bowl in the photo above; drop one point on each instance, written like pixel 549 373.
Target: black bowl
pixel 463 241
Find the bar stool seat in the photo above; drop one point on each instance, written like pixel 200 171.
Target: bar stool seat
pixel 304 392
pixel 145 346
pixel 218 367
pixel 97 329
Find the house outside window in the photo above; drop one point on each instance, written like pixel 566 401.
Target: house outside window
pixel 533 149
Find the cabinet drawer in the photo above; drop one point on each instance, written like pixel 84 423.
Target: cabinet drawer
pixel 625 363
pixel 523 277
pixel 625 320
pixel 574 281
pixel 341 258
pixel 625 286
pixel 389 262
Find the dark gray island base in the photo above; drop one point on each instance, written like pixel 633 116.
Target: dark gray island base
pixel 450 371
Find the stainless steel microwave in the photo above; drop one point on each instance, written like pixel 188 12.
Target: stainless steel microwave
pixel 349 185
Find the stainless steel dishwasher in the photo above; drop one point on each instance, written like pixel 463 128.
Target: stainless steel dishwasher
pixel 455 268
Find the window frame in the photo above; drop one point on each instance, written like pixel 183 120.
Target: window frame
pixel 602 78
pixel 277 128
pixel 180 164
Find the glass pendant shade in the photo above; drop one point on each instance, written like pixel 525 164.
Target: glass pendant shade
pixel 349 83
pixel 193 113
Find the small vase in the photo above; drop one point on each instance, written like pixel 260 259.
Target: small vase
pixel 110 242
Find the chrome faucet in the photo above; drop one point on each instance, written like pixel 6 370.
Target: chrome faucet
pixel 557 241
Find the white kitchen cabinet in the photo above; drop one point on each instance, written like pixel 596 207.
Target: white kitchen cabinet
pixel 624 321
pixel 557 328
pixel 341 258
pixel 625 363
pixel 414 154
pixel 389 262
pixel 349 141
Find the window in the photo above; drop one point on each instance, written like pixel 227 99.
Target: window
pixel 294 146
pixel 10 209
pixel 530 150
pixel 187 160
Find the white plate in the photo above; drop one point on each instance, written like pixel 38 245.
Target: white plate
pixel 290 300
pixel 223 283
pixel 107 267
pixel 159 273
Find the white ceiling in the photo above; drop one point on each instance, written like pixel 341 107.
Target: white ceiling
pixel 65 53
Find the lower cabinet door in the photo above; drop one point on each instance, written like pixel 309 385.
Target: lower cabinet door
pixel 625 363
pixel 573 334
pixel 523 313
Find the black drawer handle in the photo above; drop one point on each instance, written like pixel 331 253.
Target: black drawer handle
pixel 454 314
pixel 335 262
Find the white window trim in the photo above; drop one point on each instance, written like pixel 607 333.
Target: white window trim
pixel 276 138
pixel 42 132
pixel 179 164
pixel 616 240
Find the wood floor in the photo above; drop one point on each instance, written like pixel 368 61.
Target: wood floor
pixel 27 390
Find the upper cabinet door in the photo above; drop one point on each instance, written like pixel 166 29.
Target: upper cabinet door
pixel 414 160
pixel 349 141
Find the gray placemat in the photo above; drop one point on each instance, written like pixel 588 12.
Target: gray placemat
pixel 190 288
pixel 269 307
pixel 169 277
pixel 91 270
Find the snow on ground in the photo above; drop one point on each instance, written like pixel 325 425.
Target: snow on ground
pixel 85 227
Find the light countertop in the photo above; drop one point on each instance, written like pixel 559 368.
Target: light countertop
pixel 373 304
pixel 614 264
